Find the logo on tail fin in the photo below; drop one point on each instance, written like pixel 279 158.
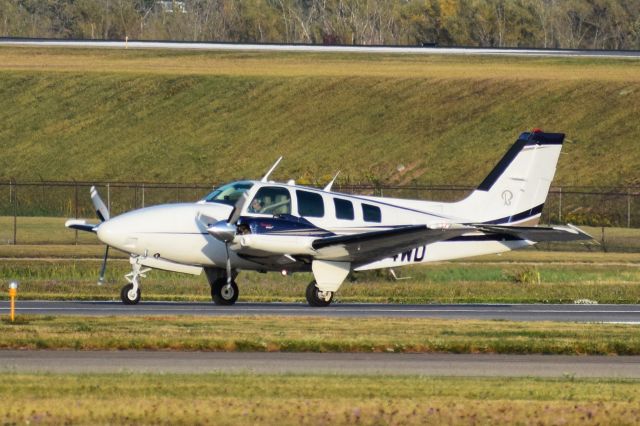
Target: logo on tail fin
pixel 507 196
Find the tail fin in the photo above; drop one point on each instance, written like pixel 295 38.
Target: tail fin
pixel 517 187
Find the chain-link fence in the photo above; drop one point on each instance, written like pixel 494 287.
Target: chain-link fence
pixel 32 212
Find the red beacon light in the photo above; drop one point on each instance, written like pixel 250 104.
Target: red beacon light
pixel 537 130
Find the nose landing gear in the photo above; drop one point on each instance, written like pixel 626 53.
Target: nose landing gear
pixel 130 293
pixel 222 292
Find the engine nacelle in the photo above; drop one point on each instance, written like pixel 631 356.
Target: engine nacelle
pixel 274 244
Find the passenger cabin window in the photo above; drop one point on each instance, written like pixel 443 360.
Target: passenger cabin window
pixel 310 204
pixel 229 194
pixel 371 213
pixel 271 200
pixel 344 209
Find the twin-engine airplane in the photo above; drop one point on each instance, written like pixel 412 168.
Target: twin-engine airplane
pixel 266 226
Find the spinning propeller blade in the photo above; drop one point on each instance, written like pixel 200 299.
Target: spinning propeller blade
pixel 225 230
pixel 237 209
pixel 101 209
pixel 103 268
pixel 103 214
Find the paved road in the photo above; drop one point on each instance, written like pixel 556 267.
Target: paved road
pixel 513 312
pixel 316 363
pixel 321 48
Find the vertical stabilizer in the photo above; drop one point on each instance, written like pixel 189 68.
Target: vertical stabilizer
pixel 516 189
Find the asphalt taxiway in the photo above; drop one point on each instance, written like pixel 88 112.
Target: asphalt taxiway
pixel 512 312
pixel 474 365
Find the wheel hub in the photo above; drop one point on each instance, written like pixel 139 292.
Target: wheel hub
pixel 132 294
pixel 227 292
pixel 324 295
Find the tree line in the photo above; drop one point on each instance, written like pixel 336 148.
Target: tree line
pixel 590 24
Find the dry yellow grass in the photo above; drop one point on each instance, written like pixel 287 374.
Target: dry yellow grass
pixel 318 65
pixel 313 399
pixel 315 334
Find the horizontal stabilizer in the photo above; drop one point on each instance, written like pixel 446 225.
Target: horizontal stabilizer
pixel 538 233
pixel 81 225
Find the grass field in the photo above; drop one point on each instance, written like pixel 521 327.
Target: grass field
pixel 314 334
pixel 70 272
pixel 214 116
pixel 312 399
pixel 492 280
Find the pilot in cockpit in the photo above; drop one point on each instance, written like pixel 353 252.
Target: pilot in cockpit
pixel 255 206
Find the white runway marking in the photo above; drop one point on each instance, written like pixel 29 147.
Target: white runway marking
pixel 322 48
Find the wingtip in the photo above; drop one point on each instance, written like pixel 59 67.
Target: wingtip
pixel 580 232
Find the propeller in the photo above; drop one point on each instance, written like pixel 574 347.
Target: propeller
pixel 225 230
pixel 103 214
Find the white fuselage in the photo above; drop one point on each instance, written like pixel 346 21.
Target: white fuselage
pixel 177 233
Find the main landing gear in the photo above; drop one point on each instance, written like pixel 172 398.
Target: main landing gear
pixel 222 292
pixel 130 293
pixel 316 297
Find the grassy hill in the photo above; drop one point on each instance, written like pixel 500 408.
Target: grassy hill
pixel 214 116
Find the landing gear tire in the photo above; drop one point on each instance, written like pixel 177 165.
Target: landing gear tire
pixel 317 298
pixel 128 296
pixel 223 294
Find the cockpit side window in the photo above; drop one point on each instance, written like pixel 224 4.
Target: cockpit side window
pixel 229 194
pixel 271 200
pixel 310 204
pixel 371 213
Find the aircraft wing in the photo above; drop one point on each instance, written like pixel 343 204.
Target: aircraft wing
pixel 371 246
pixel 537 233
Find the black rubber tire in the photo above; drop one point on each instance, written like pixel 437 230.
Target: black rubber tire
pixel 313 299
pixel 221 297
pixel 124 295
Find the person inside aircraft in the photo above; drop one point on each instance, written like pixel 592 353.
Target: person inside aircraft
pixel 256 206
pixel 271 200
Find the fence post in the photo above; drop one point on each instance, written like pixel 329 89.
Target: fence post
pixel 15 212
pixel 143 195
pixel 629 208
pixel 75 186
pixel 109 198
pixel 560 206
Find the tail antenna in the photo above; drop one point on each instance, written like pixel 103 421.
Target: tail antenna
pixel 330 184
pixel 264 179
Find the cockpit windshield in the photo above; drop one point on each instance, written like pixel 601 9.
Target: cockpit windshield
pixel 228 194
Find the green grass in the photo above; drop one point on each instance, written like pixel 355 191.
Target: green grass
pixel 564 278
pixel 70 272
pixel 317 334
pixel 214 116
pixel 311 399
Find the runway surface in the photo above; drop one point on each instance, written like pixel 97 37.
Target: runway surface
pixel 321 48
pixel 316 363
pixel 512 312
